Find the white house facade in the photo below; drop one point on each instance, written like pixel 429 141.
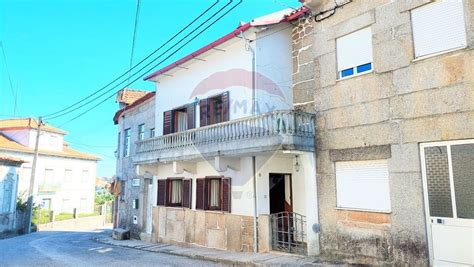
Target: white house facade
pixel 65 178
pixel 232 165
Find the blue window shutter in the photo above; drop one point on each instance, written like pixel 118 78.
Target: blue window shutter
pixel 364 67
pixel 347 72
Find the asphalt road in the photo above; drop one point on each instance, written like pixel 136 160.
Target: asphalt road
pixel 77 249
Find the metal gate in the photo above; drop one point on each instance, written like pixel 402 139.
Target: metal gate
pixel 288 232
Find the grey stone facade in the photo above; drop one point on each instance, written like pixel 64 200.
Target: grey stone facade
pixel 382 114
pixel 144 113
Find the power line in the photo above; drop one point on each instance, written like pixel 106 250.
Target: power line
pixel 134 37
pixel 194 37
pixel 9 79
pixel 146 65
pixel 136 65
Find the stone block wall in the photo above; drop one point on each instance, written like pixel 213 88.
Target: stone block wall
pixel 385 114
pixel 208 229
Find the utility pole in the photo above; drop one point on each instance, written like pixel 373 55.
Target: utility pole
pixel 32 178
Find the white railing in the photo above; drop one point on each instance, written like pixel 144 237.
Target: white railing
pixel 276 123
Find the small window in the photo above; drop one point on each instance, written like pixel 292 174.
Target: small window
pixel 126 143
pixel 141 131
pixel 214 189
pixel 354 53
pixel 213 193
pixel 67 175
pixel 363 185
pixel 85 176
pixel 118 145
pixel 438 27
pixel 152 133
pixel 175 192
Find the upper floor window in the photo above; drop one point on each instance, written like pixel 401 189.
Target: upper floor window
pixel 126 143
pixel 67 175
pixel 354 53
pixel 152 132
pixel 85 176
pixel 118 146
pixel 214 109
pixel 141 131
pixel 179 119
pixel 438 27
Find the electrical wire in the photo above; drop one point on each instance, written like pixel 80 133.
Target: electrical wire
pixel 142 68
pixel 101 102
pixel 10 80
pixel 136 65
pixel 137 13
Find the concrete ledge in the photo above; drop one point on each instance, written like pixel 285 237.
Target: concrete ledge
pixel 361 153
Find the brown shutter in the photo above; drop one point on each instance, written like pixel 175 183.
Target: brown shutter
pixel 161 199
pixel 226 194
pixel 167 122
pixel 191 110
pixel 200 186
pixel 187 193
pixel 225 106
pixel 203 112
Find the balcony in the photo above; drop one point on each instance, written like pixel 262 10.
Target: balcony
pixel 278 130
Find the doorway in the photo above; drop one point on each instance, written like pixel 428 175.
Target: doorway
pixel 281 197
pixel 448 181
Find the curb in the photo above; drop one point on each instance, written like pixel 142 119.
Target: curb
pixel 194 256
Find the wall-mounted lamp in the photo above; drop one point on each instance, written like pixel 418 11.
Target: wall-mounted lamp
pixel 297 164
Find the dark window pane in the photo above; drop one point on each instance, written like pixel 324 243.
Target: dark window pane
pixel 347 72
pixel 437 174
pixel 463 176
pixel 365 67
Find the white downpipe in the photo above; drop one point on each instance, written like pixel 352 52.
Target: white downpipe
pixel 248 47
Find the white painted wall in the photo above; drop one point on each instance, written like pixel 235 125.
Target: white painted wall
pixel 27 137
pixel 273 63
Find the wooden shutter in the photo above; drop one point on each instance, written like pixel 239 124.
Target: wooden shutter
pixel 203 112
pixel 225 106
pixel 191 110
pixel 167 122
pixel 161 199
pixel 226 194
pixel 200 186
pixel 187 193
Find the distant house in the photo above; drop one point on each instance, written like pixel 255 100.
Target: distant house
pixel 65 178
pixel 9 169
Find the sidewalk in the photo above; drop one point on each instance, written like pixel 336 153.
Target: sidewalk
pixel 219 256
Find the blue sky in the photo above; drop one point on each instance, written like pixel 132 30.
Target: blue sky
pixel 60 51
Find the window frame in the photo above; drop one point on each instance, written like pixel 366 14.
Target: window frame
pixel 82 176
pixel 169 191
pixel 127 142
pixel 208 182
pixel 152 132
pixel 141 131
pixel 355 70
pixel 339 206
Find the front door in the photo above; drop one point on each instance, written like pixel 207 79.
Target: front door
pixel 281 198
pixel 448 182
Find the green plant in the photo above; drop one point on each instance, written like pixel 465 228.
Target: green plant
pixel 63 216
pixel 21 205
pixel 103 197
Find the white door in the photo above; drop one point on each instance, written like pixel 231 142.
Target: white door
pixel 149 207
pixel 448 182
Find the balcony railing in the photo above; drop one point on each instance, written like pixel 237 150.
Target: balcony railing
pixel 277 124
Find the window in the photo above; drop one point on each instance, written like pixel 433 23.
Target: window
pixel 174 192
pixel 141 131
pixel 438 27
pixel 354 53
pixel 85 176
pixel 363 185
pixel 152 133
pixel 126 143
pixel 213 193
pixel 118 146
pixel 214 109
pixel 48 184
pixel 179 119
pixel 67 175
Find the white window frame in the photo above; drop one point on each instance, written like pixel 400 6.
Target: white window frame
pixel 416 29
pixel 341 188
pixel 344 50
pixel 141 131
pixel 126 142
pixel 85 179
